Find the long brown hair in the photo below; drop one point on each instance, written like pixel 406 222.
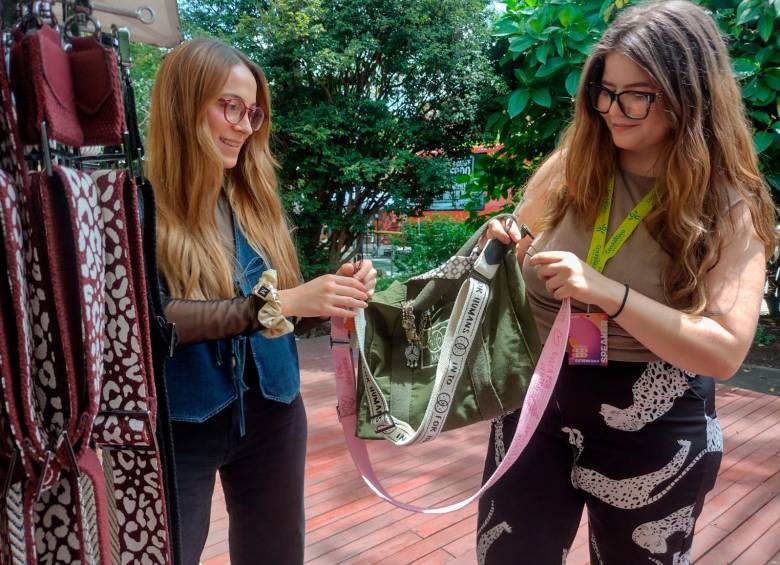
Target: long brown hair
pixel 710 152
pixel 186 170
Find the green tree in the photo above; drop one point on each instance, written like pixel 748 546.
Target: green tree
pixel 363 94
pixel 146 61
pixel 542 46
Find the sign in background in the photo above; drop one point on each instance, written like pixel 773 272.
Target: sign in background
pixel 454 198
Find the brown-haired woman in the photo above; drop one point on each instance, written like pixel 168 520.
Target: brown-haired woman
pixel 231 273
pixel 653 211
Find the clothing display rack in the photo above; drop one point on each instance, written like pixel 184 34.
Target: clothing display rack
pixel 86 469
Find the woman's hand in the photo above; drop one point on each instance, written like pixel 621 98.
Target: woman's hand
pixel 367 274
pixel 325 296
pixel 506 230
pixel 567 276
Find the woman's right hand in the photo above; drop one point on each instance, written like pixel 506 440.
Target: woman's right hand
pixel 504 230
pixel 325 296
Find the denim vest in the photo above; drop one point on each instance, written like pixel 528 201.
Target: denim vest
pixel 203 378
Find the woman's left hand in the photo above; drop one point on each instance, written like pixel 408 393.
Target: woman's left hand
pixel 367 274
pixel 567 276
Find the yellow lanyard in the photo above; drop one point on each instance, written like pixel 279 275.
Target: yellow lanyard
pixel 602 251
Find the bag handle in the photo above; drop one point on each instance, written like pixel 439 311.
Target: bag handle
pixel 539 392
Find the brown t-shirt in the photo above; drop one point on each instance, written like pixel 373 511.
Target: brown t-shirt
pixel 639 263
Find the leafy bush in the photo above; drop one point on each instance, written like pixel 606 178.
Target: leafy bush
pixel 542 46
pixel 430 242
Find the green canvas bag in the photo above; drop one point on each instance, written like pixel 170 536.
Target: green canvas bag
pixel 474 308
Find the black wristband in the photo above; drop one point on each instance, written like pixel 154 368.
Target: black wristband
pixel 622 304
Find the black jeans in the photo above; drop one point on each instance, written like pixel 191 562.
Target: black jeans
pixel 637 444
pixel 262 478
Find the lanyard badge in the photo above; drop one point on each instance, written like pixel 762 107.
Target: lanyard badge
pixel 588 331
pixel 588 339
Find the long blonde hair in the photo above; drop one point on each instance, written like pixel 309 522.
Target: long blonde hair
pixel 185 167
pixel 710 152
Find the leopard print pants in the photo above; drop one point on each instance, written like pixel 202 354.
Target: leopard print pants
pixel 638 444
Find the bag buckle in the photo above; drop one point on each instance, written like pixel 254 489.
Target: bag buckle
pixel 50 472
pixel 149 431
pixel 9 477
pixel 382 422
pixel 168 330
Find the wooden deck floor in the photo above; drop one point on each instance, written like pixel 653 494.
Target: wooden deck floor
pixel 346 523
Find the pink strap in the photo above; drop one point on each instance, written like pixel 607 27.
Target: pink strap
pixel 536 399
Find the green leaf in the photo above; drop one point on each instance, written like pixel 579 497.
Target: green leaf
pixel 580 47
pixel 517 102
pixel 521 44
pixel 764 95
pixel 572 81
pixel 520 74
pixel 542 97
pixel 542 52
pixel 550 128
pixel 567 15
pixel 550 67
pixel 535 26
pixel 744 68
pixel 765 26
pixel 748 11
pixel 750 89
pixel 772 78
pixel 776 127
pixel 762 140
pixel 764 54
pixel 506 26
pixel 559 44
pixel 762 117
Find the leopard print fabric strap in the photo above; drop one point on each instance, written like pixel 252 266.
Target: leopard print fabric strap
pixel 15 525
pixel 15 464
pixel 125 426
pixel 69 238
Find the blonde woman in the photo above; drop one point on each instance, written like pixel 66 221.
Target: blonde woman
pixel 653 212
pixel 232 277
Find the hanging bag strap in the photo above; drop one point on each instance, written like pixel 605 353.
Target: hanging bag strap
pixel 16 530
pixel 70 237
pixel 15 339
pixel 125 427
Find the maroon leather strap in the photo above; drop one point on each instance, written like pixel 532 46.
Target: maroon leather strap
pixel 42 83
pixel 98 93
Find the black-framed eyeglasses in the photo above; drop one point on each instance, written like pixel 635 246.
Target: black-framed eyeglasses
pixel 634 104
pixel 235 110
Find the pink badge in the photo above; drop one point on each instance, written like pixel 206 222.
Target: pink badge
pixel 588 339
